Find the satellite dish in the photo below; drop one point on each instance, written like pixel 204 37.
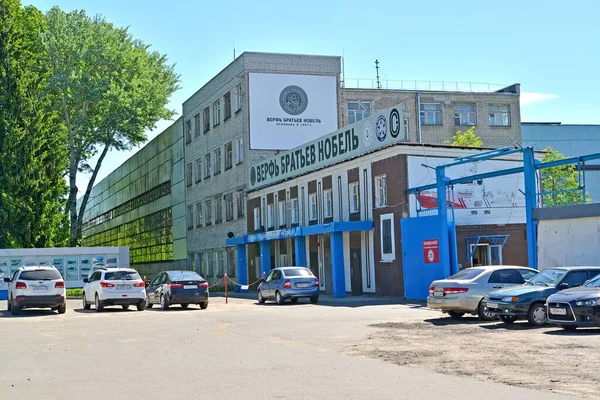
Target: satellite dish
pixel 229 235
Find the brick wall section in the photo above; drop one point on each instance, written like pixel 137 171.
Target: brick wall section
pixel 515 249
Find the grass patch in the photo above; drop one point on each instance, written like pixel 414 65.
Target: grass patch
pixel 74 292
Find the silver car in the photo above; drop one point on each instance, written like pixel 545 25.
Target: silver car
pixel 289 283
pixel 462 293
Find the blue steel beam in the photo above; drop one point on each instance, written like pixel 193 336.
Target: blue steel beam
pixel 470 178
pixel 482 157
pixel 485 153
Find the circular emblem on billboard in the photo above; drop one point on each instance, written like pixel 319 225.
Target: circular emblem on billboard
pixel 252 176
pixel 394 123
pixel 368 133
pixel 430 255
pixel 293 100
pixel 381 128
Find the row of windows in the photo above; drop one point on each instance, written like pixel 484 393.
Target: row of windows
pixel 202 122
pixel 211 163
pixel 214 263
pixel 204 215
pixel 464 114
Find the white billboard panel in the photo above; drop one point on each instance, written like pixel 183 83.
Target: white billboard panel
pixel 486 202
pixel 287 110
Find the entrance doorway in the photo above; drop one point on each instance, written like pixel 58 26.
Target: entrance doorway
pixel 481 254
pixel 355 272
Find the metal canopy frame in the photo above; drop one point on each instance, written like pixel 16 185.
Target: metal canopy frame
pixel 496 240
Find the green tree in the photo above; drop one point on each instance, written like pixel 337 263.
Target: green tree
pixel 561 178
pixel 32 166
pixel 466 139
pixel 112 89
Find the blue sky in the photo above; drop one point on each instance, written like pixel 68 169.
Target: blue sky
pixel 550 47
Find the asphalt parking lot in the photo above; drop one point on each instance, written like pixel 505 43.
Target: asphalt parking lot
pixel 245 350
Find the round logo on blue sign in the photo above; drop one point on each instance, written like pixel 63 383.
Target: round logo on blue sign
pixel 381 128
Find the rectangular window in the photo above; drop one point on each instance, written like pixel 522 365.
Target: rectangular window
pixel 206 119
pixel 388 246
pixel 199 266
pixel 231 262
pixel 217 266
pixel 198 170
pixel 312 204
pixel 229 206
pixel 216 112
pixel 257 218
pixel 207 166
pixel 380 191
pixel 358 110
pixel 228 156
pixel 227 100
pixel 190 217
pixel 431 114
pixel 464 114
pixel 197 127
pixel 218 210
pixel 240 203
pixel 327 203
pixel 295 211
pixel 499 116
pixel 354 197
pixel 217 169
pixel 239 150
pixel 208 212
pixel 282 213
pixel 270 210
pixel 188 131
pixel 238 98
pixel 222 262
pixel 199 215
pixel 188 174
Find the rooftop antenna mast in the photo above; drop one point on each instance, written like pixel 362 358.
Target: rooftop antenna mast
pixel 377 69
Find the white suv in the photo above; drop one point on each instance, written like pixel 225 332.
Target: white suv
pixel 36 287
pixel 114 286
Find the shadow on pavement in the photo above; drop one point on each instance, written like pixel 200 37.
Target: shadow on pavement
pixel 28 313
pixel 445 321
pixel 578 332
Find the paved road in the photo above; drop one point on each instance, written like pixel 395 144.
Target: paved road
pixel 237 351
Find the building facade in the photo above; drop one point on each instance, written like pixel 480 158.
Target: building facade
pixel 141 205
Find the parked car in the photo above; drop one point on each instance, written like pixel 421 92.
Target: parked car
pixel 177 287
pixel 576 307
pixel 463 292
pixel 528 301
pixel 289 283
pixel 36 287
pixel 114 287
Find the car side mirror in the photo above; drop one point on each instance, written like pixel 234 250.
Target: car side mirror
pixel 563 285
pixel 85 280
pixel 7 280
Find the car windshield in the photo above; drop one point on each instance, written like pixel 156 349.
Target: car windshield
pixel 184 276
pixel 295 272
pixel 467 274
pixel 594 282
pixel 548 277
pixel 122 276
pixel 40 275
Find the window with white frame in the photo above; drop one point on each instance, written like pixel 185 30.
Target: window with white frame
pixel 217 112
pixel 327 203
pixel 228 156
pixel 238 98
pixel 208 212
pixel 218 210
pixel 217 169
pixel 207 166
pixel 198 170
pixel 239 150
pixel 499 116
pixel 199 215
pixel 227 100
pixel 217 266
pixel 282 213
pixel 388 245
pixel 380 191
pixel 431 114
pixel 464 114
pixel 231 262
pixel 257 222
pixel 354 197
pixel 188 174
pixel 229 206
pixel 295 210
pixel 206 119
pixel 208 263
pixel 358 110
pixel 270 211
pixel 241 205
pixel 190 217
pixel 199 262
pixel 197 125
pixel 222 262
pixel 312 207
pixel 188 131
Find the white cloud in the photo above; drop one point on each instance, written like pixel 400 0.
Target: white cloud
pixel 531 97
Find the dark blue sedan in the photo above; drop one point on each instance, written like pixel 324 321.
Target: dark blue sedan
pixel 289 283
pixel 177 287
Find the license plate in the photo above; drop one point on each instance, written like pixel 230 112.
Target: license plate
pixel 558 311
pixel 190 286
pixel 40 287
pixel 492 305
pixel 122 287
pixel 302 284
pixel 438 294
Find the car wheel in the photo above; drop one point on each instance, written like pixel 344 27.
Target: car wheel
pixel 125 306
pixel 164 304
pixel 537 314
pixel 204 305
pixel 261 298
pixel 62 308
pixel 98 304
pixel 86 306
pixel 294 301
pixel 184 305
pixel 278 298
pixel 15 310
pixel 508 319
pixel 455 314
pixel 483 314
pixel 569 328
pixel 314 299
pixel 148 304
pixel 9 304
pixel 141 306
